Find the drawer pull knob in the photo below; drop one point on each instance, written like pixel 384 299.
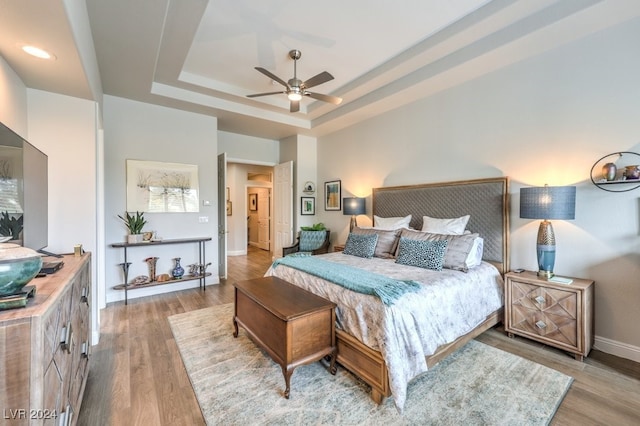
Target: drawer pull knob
pixel 85 349
pixel 66 338
pixel 540 300
pixel 541 324
pixel 65 418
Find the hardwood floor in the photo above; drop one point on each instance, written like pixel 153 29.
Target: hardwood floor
pixel 137 377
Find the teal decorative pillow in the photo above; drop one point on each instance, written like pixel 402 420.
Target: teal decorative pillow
pixel 423 254
pixel 311 240
pixel 387 241
pixel 361 245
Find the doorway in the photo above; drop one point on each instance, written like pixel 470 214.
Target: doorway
pixel 236 222
pixel 259 217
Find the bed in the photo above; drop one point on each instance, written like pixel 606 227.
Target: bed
pixel 387 345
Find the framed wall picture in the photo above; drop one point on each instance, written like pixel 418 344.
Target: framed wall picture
pixel 154 186
pixel 307 205
pixel 333 195
pixel 229 208
pixel 253 202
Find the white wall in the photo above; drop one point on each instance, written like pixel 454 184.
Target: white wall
pixel 545 120
pixel 139 131
pixel 302 150
pixel 13 100
pixel 248 149
pixel 64 128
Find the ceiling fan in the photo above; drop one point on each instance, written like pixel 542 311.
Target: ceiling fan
pixel 296 88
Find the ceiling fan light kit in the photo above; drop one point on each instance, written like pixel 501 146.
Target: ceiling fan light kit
pixel 296 88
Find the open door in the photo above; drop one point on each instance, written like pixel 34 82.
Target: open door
pixel 264 218
pixel 222 215
pixel 283 207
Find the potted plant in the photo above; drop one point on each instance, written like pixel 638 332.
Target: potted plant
pixel 10 226
pixel 134 224
pixel 316 227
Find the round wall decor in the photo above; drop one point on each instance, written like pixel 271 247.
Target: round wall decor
pixel 309 188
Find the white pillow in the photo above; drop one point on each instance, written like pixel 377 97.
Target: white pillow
pixel 391 223
pixel 454 226
pixel 475 254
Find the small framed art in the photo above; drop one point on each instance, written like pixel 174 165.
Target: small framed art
pixel 253 202
pixel 229 208
pixel 307 205
pixel 332 195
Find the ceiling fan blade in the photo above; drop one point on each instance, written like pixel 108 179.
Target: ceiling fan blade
pixel 255 95
pixel 323 77
pixel 295 106
pixel 326 98
pixel 272 76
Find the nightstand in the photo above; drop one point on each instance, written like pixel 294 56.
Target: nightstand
pixel 558 315
pixel 338 247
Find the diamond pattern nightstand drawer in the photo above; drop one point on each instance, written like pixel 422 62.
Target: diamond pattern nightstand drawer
pixel 555 314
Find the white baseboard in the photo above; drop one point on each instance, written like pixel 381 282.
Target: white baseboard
pixel 237 252
pixel 620 349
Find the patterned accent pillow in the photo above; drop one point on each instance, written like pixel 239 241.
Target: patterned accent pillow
pixel 387 241
pixel 361 245
pixel 311 240
pixel 423 254
pixel 458 249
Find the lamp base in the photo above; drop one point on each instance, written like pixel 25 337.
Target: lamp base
pixel 545 274
pixel 353 223
pixel 546 249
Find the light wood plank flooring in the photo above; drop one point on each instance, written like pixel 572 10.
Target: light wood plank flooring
pixel 137 377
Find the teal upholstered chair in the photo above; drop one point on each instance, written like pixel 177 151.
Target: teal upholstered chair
pixel 314 242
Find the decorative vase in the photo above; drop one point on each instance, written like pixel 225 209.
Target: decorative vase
pixel 125 271
pixel 18 266
pixel 632 172
pixel 151 261
pixel 178 271
pixel 609 171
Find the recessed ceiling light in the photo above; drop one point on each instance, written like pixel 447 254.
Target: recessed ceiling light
pixel 38 52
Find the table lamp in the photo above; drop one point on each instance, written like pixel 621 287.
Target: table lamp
pixel 547 202
pixel 354 206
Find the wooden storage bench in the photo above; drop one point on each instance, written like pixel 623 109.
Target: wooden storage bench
pixel 294 326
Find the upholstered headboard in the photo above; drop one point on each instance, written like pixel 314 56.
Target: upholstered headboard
pixel 485 200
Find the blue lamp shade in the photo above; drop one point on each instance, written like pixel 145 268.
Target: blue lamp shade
pixel 547 202
pixel 354 206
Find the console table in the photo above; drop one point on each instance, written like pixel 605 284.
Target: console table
pixel 126 286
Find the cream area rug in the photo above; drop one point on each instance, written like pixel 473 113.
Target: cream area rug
pixel 236 383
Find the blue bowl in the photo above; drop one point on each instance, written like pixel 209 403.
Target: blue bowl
pixel 17 268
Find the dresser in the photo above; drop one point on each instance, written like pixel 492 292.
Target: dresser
pixel 556 314
pixel 45 347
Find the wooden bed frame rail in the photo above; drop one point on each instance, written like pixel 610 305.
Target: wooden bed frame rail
pixel 370 367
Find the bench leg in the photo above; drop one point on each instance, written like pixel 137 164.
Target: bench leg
pixel 287 380
pixel 332 366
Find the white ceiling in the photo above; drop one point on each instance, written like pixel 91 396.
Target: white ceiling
pixel 200 55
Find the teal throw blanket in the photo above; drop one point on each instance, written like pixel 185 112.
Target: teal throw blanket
pixel 355 279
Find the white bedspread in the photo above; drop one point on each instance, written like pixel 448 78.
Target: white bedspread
pixel 450 304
